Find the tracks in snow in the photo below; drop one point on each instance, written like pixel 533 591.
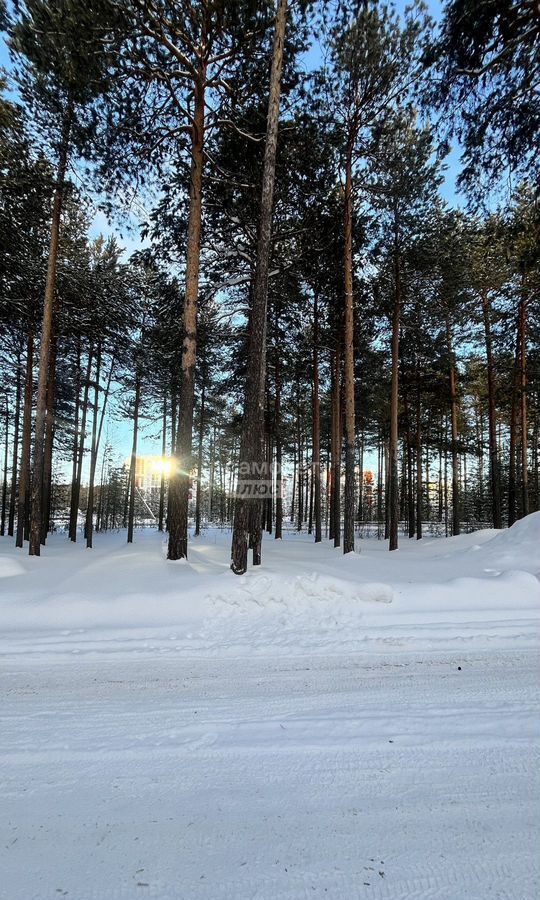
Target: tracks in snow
pixel 275 778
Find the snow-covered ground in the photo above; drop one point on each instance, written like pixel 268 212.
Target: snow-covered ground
pixel 476 590
pixel 349 727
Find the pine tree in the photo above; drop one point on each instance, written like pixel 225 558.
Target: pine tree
pixel 372 59
pixel 250 450
pixel 59 78
pixel 488 59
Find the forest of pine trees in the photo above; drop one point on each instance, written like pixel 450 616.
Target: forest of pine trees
pixel 314 330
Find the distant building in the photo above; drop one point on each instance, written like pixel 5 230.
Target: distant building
pixel 149 470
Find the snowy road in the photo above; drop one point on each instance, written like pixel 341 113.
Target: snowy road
pixel 370 777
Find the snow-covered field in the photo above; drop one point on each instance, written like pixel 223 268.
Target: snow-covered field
pixel 349 727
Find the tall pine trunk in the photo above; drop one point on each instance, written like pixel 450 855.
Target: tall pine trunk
pixel 15 457
pixel 93 456
pixel 512 486
pixel 24 481
pixel 335 499
pixel 492 419
pixel 300 445
pixel 316 426
pixel 76 483
pixel 199 466
pixel 446 480
pixel 535 467
pixel 269 475
pixel 379 483
pixel 278 533
pixel 4 478
pixel 393 491
pixel 348 357
pixel 179 483
pixel 48 447
pixel 46 334
pixel 133 464
pixel 523 406
pixel 452 376
pixel 408 491
pixel 419 460
pixel 360 513
pixel 161 513
pixel 75 446
pixel 250 448
pixel 294 480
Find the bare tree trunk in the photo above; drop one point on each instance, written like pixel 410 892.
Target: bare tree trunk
pixel 427 502
pixel 408 489
pixel 93 456
pixel 199 466
pixel 446 480
pixel 523 408
pixel 255 532
pixel 336 447
pixel 360 513
pixel 269 471
pixel 379 484
pixel 300 443
pixel 393 493
pixel 293 493
pixel 161 513
pixel 535 466
pixel 480 449
pixel 307 482
pixel 512 485
pixel 232 470
pixel 419 461
pixel 133 464
pixel 179 482
pixel 348 356
pixel 4 480
pixel 48 447
pixel 76 484
pixel 316 465
pixel 386 459
pixel 277 430
pixel 250 449
pixel 127 495
pixel 212 475
pixel 222 504
pixel 24 481
pixel 75 440
pixel 311 485
pixel 440 484
pixel 492 419
pixel 102 491
pixel 46 333
pixel 15 457
pixel 454 424
pixel 174 411
pixel 327 490
pixel 96 441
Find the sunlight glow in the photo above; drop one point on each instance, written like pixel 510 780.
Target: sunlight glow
pixel 163 465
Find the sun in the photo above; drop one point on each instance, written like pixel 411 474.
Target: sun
pixel 163 465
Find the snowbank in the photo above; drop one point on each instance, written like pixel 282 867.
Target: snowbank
pixel 475 590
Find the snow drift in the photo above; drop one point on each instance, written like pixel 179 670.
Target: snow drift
pixel 474 590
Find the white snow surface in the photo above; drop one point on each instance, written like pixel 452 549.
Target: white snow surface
pixel 345 727
pixel 475 590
